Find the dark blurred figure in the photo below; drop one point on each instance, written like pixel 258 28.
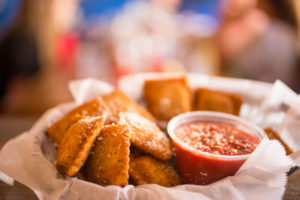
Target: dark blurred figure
pixel 18 51
pixel 258 40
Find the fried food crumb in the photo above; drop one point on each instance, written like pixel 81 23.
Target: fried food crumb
pixel 108 163
pixel 211 100
pixel 148 170
pixel 95 107
pixel 166 98
pixel 272 135
pixel 77 143
pixel 146 136
pixel 117 102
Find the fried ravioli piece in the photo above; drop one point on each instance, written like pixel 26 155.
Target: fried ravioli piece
pixel 118 102
pixel 272 135
pixel 211 100
pixel 77 143
pixel 148 170
pixel 166 98
pixel 108 163
pixel 146 136
pixel 95 107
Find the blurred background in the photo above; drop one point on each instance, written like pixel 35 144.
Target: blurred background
pixel 45 44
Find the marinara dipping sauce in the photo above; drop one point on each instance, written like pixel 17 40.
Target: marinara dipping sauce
pixel 211 145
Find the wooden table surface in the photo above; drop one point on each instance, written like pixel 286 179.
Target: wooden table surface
pixel 11 126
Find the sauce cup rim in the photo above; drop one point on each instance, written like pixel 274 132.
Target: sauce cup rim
pixel 184 118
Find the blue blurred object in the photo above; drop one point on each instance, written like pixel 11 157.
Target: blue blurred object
pixel 93 8
pixel 209 7
pixel 9 10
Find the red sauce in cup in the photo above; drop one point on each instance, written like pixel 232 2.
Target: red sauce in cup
pixel 213 139
pixel 216 138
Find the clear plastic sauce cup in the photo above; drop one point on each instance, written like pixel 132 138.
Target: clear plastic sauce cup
pixel 198 167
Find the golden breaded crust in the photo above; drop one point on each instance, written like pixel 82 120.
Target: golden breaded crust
pixel 238 101
pixel 95 107
pixel 76 144
pixel 205 99
pixel 272 135
pixel 108 163
pixel 148 170
pixel 118 102
pixel 146 136
pixel 166 98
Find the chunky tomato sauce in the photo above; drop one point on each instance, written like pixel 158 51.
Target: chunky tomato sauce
pixel 216 138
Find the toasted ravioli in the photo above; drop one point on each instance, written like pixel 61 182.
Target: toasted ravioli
pixel 119 102
pixel 77 143
pixel 148 170
pixel 108 163
pixel 95 107
pixel 272 135
pixel 211 100
pixel 166 98
pixel 146 136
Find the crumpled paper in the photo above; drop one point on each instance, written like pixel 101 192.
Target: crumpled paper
pixel 29 157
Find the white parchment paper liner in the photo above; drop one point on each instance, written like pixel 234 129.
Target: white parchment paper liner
pixel 28 158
